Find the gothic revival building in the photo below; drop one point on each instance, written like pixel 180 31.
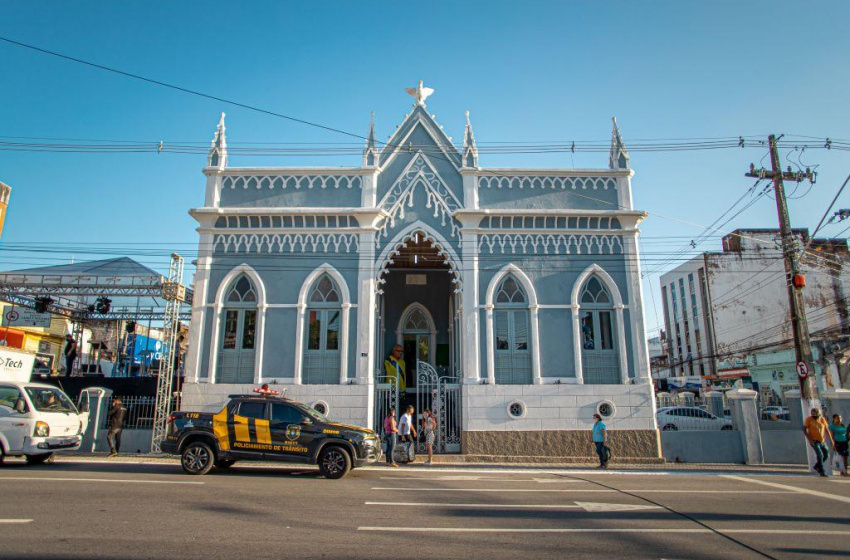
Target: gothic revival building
pixel 514 294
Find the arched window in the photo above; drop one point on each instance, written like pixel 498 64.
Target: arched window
pixel 322 339
pixel 512 344
pixel 599 353
pixel 236 357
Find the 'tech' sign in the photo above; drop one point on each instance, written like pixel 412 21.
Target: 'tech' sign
pixel 15 365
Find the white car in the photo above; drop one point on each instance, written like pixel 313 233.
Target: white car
pixel 38 419
pixel 674 418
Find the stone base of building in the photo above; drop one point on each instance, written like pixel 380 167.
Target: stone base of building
pixel 555 446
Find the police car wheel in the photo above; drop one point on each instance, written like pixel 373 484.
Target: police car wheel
pixel 197 458
pixel 224 463
pixel 334 462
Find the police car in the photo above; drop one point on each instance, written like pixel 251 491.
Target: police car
pixel 265 426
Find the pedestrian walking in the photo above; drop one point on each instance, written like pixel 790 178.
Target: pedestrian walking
pixel 429 428
pixel 390 434
pixel 839 440
pixel 70 354
pixel 599 435
pixel 115 425
pixel 405 426
pixel 816 429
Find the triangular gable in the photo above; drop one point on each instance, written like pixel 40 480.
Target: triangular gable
pixel 438 195
pixel 399 141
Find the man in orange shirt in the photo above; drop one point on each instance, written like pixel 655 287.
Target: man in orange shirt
pixel 816 429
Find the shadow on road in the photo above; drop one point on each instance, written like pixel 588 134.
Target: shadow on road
pixel 19 467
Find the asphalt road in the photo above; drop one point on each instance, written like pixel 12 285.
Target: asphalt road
pixel 153 511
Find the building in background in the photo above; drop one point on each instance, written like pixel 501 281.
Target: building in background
pixel 658 359
pixel 515 294
pixel 5 194
pixel 727 317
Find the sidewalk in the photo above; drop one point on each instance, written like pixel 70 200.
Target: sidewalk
pixel 441 462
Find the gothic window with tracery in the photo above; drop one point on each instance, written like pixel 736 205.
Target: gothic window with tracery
pixel 239 331
pixel 513 337
pixel 599 353
pixel 322 344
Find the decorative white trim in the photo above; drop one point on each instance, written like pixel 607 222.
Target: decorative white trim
pixel 302 305
pixel 437 194
pixel 432 330
pixel 289 243
pixel 533 308
pixel 550 243
pixel 546 182
pixel 261 319
pixel 618 306
pixel 400 240
pixel 395 146
pixel 284 180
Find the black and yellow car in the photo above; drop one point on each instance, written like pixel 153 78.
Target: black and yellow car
pixel 266 427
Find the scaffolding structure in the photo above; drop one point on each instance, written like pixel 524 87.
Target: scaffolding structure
pixel 60 289
pixel 174 293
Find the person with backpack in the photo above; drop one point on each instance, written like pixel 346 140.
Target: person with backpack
pixel 390 434
pixel 599 435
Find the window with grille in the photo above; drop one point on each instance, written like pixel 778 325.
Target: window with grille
pixel 512 332
pixel 599 354
pixel 322 344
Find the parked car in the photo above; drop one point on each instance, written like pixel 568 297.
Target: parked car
pixel 775 413
pixel 266 427
pixel 38 419
pixel 674 418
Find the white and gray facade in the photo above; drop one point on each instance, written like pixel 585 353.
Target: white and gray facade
pixel 515 292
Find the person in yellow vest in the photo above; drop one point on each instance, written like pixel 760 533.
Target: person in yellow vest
pixel 395 368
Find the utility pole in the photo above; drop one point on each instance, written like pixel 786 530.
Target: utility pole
pixel 793 277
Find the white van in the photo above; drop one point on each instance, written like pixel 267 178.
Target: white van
pixel 36 420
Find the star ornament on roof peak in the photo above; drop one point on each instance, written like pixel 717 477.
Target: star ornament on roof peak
pixel 420 93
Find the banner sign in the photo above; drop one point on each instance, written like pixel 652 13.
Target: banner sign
pixel 15 365
pixel 688 382
pixel 24 317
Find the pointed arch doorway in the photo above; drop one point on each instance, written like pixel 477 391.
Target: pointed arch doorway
pixel 418 303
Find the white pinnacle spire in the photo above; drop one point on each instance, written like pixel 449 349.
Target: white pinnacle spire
pixel 218 150
pixel 619 158
pixel 370 153
pixel 470 151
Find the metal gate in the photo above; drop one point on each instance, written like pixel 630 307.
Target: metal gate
pixel 441 395
pixel 386 397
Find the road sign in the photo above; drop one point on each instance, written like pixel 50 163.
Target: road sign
pixel 25 317
pixel 802 370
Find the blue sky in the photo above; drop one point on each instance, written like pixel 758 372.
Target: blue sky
pixel 527 71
